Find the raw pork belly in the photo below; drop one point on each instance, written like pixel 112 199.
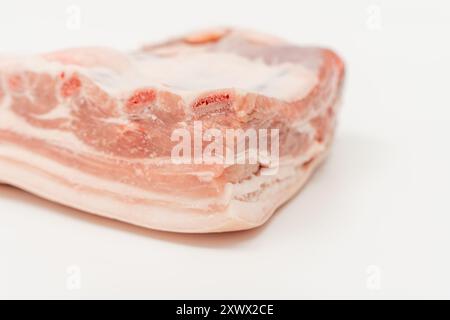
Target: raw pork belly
pixel 91 128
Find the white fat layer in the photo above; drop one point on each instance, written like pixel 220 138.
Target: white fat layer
pixel 146 215
pixel 79 179
pixel 34 63
pixel 187 75
pixel 239 215
pixel 194 73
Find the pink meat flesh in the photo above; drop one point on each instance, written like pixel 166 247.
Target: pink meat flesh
pixel 91 128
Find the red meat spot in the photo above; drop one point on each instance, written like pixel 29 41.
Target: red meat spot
pixel 71 86
pixel 140 98
pixel 217 98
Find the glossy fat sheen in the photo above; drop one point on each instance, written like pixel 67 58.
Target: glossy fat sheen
pixel 90 128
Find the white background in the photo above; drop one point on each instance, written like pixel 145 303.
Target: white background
pixel 373 223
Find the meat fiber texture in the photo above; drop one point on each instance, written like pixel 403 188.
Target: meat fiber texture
pixel 91 128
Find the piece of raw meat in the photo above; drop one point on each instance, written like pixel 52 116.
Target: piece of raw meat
pixel 92 128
